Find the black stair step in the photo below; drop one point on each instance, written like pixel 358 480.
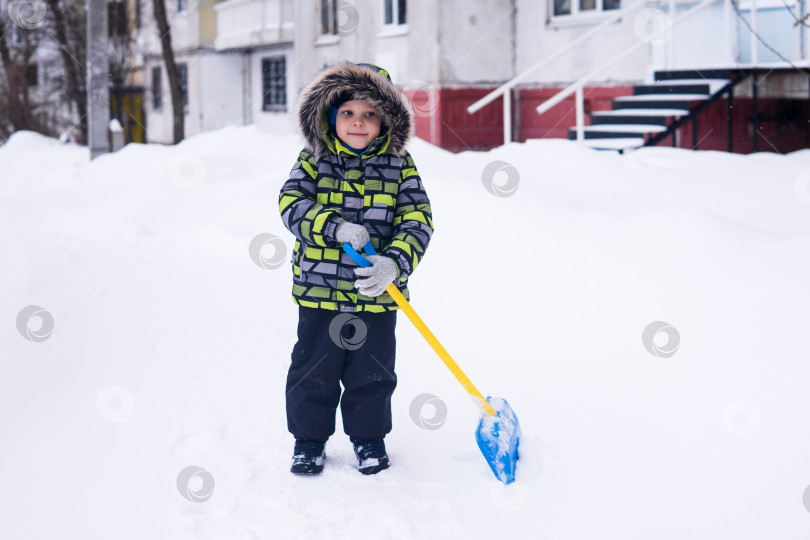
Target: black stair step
pixel 657 101
pixel 644 89
pixel 605 133
pixel 694 74
pixel 657 120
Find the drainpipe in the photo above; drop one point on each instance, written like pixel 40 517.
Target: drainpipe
pixel 98 110
pixel 246 116
pixel 754 52
pixel 727 21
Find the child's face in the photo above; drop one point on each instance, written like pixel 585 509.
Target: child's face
pixel 358 123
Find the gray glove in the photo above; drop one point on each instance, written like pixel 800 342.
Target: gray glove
pixel 378 276
pixel 352 233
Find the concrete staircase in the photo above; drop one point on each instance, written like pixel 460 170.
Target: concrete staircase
pixel 653 109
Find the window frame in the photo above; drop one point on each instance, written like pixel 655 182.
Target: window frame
pixel 157 96
pixel 267 94
pixel 327 29
pixel 32 75
pixel 577 15
pixel 395 13
pixel 182 77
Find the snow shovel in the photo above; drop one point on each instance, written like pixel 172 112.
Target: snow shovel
pixel 498 431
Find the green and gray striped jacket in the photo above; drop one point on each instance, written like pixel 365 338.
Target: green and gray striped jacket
pixel 380 189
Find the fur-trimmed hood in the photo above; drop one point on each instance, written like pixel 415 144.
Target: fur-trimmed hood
pixel 353 81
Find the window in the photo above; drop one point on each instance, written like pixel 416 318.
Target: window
pixel 329 17
pixel 584 7
pixel 274 84
pixel 395 12
pixel 117 19
pixel 32 74
pixel 157 88
pixel 182 76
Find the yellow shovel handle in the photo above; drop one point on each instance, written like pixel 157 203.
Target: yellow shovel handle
pixel 443 354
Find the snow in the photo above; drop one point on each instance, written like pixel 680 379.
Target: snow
pixel 626 128
pixel 167 358
pixel 714 84
pixel 615 143
pixel 663 97
pixel 641 112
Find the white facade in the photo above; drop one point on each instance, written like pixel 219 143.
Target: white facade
pixel 448 44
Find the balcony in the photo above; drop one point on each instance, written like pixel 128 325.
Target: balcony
pixel 252 23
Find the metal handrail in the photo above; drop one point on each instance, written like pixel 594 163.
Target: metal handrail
pixel 579 84
pixel 504 88
pixel 576 87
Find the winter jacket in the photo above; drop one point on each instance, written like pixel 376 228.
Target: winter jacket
pixel 379 189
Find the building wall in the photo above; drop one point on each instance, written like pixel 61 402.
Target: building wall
pixel 218 89
pixel 539 36
pixel 272 121
pixel 449 55
pixel 475 41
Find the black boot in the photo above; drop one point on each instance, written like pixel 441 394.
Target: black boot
pixel 308 456
pixel 371 455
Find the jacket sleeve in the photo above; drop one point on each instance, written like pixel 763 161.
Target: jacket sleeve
pixel 302 213
pixel 413 222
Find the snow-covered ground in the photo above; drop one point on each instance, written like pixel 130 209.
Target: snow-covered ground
pixel 170 344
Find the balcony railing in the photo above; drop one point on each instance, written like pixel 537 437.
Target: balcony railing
pixel 251 23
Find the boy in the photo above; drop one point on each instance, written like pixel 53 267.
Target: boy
pixel 353 183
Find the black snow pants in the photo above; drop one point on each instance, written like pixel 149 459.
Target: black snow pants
pixel 356 349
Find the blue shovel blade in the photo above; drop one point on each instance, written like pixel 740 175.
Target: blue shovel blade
pixel 498 438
